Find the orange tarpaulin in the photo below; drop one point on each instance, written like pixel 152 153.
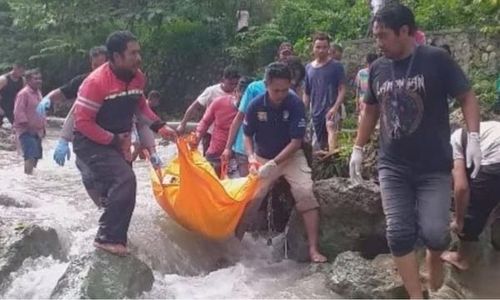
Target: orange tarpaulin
pixel 193 195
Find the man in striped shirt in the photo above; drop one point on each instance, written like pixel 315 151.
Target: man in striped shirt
pixel 106 103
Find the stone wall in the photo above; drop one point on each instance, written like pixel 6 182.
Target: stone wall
pixel 473 50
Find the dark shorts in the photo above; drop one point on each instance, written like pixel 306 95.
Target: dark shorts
pixel 484 197
pixel 31 145
pixel 416 207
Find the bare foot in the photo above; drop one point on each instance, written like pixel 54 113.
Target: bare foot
pixel 116 249
pixel 455 260
pixel 317 257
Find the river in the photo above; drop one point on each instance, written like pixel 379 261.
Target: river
pixel 184 265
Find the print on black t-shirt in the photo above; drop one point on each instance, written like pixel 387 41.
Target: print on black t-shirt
pixel 414 121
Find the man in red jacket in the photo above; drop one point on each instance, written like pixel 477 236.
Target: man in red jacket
pixel 106 103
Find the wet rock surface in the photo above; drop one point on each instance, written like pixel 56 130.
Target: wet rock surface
pixel 19 241
pixel 101 275
pixel 351 219
pixel 353 276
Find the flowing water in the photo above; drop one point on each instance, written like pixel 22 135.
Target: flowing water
pixel 184 265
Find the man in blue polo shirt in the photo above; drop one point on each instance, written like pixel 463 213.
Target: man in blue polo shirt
pixel 274 128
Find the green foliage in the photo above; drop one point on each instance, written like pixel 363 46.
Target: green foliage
pixel 337 164
pixel 186 43
pixel 442 14
pixel 484 87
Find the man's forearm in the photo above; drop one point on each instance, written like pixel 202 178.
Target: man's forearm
pixel 289 150
pixel 306 100
pixel 341 95
pixel 56 96
pixel 188 116
pixel 249 146
pixel 470 110
pixel 367 124
pixel 233 130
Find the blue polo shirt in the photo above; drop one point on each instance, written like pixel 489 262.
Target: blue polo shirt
pixel 274 127
pixel 253 90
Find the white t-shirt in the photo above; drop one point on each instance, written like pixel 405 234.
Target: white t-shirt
pixel 489 139
pixel 209 95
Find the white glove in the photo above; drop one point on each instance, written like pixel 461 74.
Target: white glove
pixel 355 164
pixel 267 169
pixel 474 154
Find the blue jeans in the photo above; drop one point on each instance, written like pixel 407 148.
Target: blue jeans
pixel 416 206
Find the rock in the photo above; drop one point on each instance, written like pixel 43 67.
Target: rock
pixel 490 48
pixel 493 55
pixel 11 202
pixel 55 122
pixel 19 242
pixel 486 115
pixel 102 275
pixel 352 276
pixel 6 140
pixel 485 57
pixel 351 219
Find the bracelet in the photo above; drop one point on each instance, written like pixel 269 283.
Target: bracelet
pixel 356 147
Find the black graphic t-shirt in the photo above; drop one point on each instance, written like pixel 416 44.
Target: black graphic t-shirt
pixel 412 94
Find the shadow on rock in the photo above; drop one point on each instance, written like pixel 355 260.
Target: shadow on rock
pixel 351 219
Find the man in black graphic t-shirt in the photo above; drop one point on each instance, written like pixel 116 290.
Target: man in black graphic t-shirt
pixel 408 90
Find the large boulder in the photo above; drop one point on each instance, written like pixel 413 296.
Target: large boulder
pixel 102 275
pixel 353 276
pixel 19 241
pixel 351 219
pixel 7 141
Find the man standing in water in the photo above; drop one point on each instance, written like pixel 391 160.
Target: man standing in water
pixel 28 125
pixel 10 84
pixel 409 87
pixel 274 128
pixel 104 110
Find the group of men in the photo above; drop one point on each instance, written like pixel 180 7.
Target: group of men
pixel 261 125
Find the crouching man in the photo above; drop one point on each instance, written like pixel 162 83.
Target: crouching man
pixel 274 128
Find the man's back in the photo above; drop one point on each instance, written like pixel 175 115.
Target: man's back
pixel 489 140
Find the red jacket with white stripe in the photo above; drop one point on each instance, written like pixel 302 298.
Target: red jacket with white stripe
pixel 105 106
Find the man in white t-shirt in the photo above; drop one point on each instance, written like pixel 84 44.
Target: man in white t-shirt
pixel 475 198
pixel 226 87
